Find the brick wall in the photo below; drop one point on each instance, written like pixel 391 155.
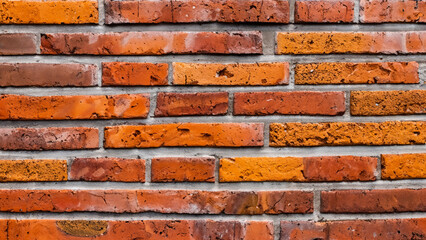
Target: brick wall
pixel 213 119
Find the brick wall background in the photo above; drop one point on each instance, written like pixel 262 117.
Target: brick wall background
pixel 213 119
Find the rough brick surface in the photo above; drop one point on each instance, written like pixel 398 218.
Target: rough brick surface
pixel 403 166
pixel 347 134
pixel 18 107
pixel 54 138
pixel 356 73
pixel 330 11
pixel 230 74
pixel 186 11
pixel 33 170
pixel 108 169
pixel 416 42
pixel 191 104
pixel 371 103
pixel 185 134
pixel 286 103
pixel 379 11
pixel 18 44
pixel 134 74
pixel 152 43
pixel 183 169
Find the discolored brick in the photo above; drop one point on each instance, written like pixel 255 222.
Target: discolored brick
pixel 134 74
pixel 380 11
pixel 403 166
pixel 179 169
pixel 18 44
pixel 329 11
pixel 33 170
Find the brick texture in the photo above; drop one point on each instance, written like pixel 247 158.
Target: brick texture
pixel 18 44
pixel 134 74
pixel 403 166
pixel 33 170
pixel 331 11
pixel 183 169
pixel 379 11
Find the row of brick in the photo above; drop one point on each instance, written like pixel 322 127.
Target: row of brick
pixel 126 106
pixel 202 169
pixel 216 135
pixel 228 11
pixel 237 74
pixel 248 42
pixel 209 229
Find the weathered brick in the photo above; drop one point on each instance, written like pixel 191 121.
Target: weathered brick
pixel 108 169
pixel 47 75
pixel 344 42
pixel 286 103
pixel 347 134
pixel 152 43
pixel 379 11
pixel 54 138
pixel 134 74
pixel 49 12
pixel 162 201
pixel 333 11
pixel 238 74
pixel 191 104
pixel 374 103
pixel 357 73
pixel 186 11
pixel 373 201
pixel 403 166
pixel 18 44
pixel 33 170
pixel 355 229
pixel 142 229
pixel 185 134
pixel 310 169
pixel 416 42
pixel 18 107
pixel 177 169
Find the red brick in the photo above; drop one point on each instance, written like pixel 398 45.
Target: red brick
pixel 289 103
pixel 373 201
pixel 134 74
pixel 18 107
pixel 47 75
pixel 162 201
pixel 186 135
pixel 380 11
pixel 152 43
pixel 191 104
pixel 329 11
pixel 54 138
pixel 183 169
pixel 108 169
pixel 416 42
pixel 18 44
pixel 184 11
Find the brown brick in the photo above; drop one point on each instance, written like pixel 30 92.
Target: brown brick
pixel 238 74
pixel 185 134
pixel 47 75
pixel 54 138
pixel 289 103
pixel 357 73
pixel 183 169
pixel 17 107
pixel 191 104
pixel 379 11
pixel 416 42
pixel 343 42
pixel 162 201
pixel 152 43
pixel 403 166
pixel 49 12
pixel 134 74
pixel 18 44
pixel 347 134
pixel 108 169
pixel 333 11
pixel 373 201
pixel 183 11
pixel 375 103
pixel 33 170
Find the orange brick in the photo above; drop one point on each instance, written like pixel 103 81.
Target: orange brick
pixel 185 134
pixel 134 74
pixel 403 166
pixel 18 43
pixel 330 11
pixel 73 107
pixel 374 103
pixel 33 170
pixel 357 73
pixel 49 12
pixel 182 169
pixel 379 11
pixel 416 42
pixel 239 74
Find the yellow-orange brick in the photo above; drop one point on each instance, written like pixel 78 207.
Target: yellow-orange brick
pixel 33 170
pixel 403 166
